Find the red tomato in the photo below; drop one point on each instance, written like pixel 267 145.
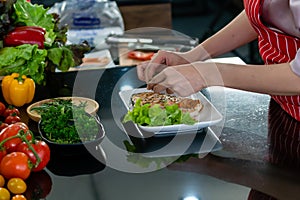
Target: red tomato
pixel 2 108
pixel 3 125
pixel 15 165
pixel 12 130
pixel 10 110
pixel 42 150
pixel 13 118
pixel 2 153
pixel 139 55
pixel 39 185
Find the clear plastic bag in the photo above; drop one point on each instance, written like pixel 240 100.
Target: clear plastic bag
pixel 89 20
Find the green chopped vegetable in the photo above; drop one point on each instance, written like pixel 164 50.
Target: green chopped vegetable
pixel 156 115
pixel 66 123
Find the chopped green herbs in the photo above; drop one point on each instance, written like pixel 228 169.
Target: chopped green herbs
pixel 66 123
pixel 155 115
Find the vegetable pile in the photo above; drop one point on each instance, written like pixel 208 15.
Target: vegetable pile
pixel 155 115
pixel 21 153
pixel 36 187
pixel 16 186
pixel 8 115
pixel 66 123
pixel 32 41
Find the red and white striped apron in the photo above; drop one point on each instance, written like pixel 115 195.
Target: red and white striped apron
pixel 274 47
pixel 284 115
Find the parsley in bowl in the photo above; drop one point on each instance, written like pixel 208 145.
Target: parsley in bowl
pixel 68 128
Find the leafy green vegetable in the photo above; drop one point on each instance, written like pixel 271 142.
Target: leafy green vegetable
pixel 61 57
pixel 24 59
pixel 31 61
pixel 35 15
pixel 66 123
pixel 155 115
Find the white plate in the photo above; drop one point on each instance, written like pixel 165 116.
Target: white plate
pixel 168 145
pixel 94 60
pixel 209 115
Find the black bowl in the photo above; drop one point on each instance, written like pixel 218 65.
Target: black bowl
pixel 68 165
pixel 76 149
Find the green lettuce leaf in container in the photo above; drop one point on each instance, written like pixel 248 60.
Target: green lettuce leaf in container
pixel 156 115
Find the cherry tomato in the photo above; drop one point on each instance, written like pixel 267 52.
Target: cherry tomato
pixel 42 150
pixel 12 130
pixel 15 165
pixel 13 118
pixel 39 185
pixel 2 108
pixel 2 181
pixel 16 186
pixel 4 194
pixel 3 125
pixel 10 110
pixel 18 197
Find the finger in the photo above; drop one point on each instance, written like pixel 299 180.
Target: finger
pixel 159 78
pixel 152 69
pixel 158 88
pixel 169 91
pixel 150 86
pixel 156 58
pixel 141 70
pixel 157 63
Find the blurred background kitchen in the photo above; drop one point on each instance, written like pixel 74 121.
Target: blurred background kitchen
pixel 197 19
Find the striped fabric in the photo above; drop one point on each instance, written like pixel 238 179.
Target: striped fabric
pixel 274 47
pixel 284 111
pixel 284 139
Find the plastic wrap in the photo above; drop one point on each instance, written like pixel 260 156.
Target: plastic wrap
pixel 89 20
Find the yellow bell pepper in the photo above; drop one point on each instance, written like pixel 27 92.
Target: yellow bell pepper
pixel 18 90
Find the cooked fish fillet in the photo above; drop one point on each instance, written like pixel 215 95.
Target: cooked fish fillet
pixel 193 106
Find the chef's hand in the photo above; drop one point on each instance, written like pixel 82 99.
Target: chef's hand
pixel 161 60
pixel 183 80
